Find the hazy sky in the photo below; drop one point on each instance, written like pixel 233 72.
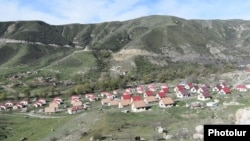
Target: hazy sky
pixel 96 11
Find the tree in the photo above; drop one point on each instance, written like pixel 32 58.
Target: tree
pixel 52 90
pixel 2 96
pixel 26 92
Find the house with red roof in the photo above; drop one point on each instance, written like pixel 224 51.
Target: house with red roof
pixel 148 93
pixel 165 90
pixel 57 100
pixel 152 87
pixel 110 96
pixel 217 88
pixel 42 100
pixel 17 106
pixel 129 90
pixel 87 96
pixel 178 88
pixel 188 85
pixel 205 95
pixel 125 97
pixel 164 85
pixel 2 107
pixel 223 84
pixel 126 93
pixel 225 90
pixel 241 88
pixel 202 89
pixel 182 94
pixel 37 104
pixel 9 104
pixel 160 95
pixel 139 89
pixel 194 89
pixel 24 102
pixel 135 98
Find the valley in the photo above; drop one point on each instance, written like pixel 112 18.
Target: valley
pixel 70 80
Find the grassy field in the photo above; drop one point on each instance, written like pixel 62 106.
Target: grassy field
pixel 33 129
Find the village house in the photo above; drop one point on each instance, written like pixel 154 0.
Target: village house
pixel 139 106
pixel 166 102
pixel 103 94
pixel 202 89
pixel 37 104
pixel 188 86
pixel 148 93
pixel 114 102
pixel 2 107
pixel 115 92
pixel 110 96
pixel 178 88
pixel 152 87
pixel 241 88
pixel 247 86
pixel 194 89
pixel 205 95
pixel 150 99
pixel 17 106
pixel 182 83
pixel 223 84
pixel 9 104
pixel 217 88
pixel 160 95
pixel 49 110
pixel 75 104
pixel 74 109
pixel 139 89
pixel 24 102
pixel 126 93
pixel 135 98
pixel 42 101
pixel 129 90
pixel 125 97
pixel 165 90
pixel 58 100
pixel 225 90
pixel 164 85
pixel 91 97
pixel 182 94
pixel 124 103
pixel 54 104
pixel 105 101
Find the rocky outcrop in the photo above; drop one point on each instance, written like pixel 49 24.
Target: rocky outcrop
pixel 242 116
pixel 198 135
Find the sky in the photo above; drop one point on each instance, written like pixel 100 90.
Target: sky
pixel 59 12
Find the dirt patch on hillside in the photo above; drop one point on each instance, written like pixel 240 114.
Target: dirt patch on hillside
pixel 126 54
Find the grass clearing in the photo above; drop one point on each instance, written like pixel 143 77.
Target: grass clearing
pixel 32 128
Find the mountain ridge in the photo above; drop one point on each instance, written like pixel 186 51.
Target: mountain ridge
pixel 160 39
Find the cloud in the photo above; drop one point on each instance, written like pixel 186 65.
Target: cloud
pixel 95 11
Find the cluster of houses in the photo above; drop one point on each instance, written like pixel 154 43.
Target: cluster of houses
pixel 13 105
pixel 137 99
pixel 140 98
